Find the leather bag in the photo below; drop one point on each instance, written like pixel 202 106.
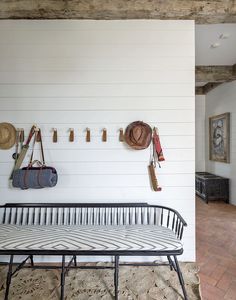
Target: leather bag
pixel 37 177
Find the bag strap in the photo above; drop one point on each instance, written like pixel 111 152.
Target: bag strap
pixel 32 153
pixel 41 146
pixel 37 137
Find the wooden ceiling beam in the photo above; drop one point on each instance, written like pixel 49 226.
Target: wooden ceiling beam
pixel 203 90
pixel 215 73
pixel 203 12
pixel 214 76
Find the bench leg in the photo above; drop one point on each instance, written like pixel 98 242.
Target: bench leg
pixel 116 277
pixel 75 260
pixel 170 262
pixel 31 261
pixel 62 277
pixel 9 275
pixel 181 280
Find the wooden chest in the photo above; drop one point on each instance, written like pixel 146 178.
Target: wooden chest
pixel 212 187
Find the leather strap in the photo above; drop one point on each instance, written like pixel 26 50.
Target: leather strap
pixel 88 135
pixel 72 136
pixel 37 137
pixel 54 138
pixel 121 136
pixel 41 144
pixel 32 153
pixel 104 135
pixel 32 131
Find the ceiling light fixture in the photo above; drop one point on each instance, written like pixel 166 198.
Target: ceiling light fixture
pixel 215 45
pixel 224 36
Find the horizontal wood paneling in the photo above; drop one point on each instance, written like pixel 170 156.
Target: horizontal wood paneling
pixel 23 51
pixel 103 103
pixel 168 142
pixel 96 77
pixel 88 181
pixel 87 25
pixel 92 63
pixel 173 196
pixel 102 116
pixel 98 37
pixel 96 74
pixel 111 168
pixel 165 128
pixel 63 155
pixel 99 90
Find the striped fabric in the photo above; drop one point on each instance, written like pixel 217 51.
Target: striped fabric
pixel 84 238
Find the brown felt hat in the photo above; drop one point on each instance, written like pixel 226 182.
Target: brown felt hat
pixel 138 135
pixel 7 135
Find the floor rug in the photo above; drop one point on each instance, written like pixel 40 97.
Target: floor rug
pixel 135 283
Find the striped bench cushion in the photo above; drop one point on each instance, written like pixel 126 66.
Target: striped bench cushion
pixel 85 238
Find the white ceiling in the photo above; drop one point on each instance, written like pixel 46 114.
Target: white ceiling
pixel 225 53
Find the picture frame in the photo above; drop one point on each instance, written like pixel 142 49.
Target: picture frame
pixel 219 138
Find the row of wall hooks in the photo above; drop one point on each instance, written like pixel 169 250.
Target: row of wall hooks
pixel 104 135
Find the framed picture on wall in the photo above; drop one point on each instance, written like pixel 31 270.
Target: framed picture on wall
pixel 219 138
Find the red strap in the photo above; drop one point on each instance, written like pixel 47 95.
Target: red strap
pixel 157 145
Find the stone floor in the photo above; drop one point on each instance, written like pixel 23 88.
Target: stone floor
pixel 216 249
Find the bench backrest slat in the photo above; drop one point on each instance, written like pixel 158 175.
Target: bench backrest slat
pixel 91 214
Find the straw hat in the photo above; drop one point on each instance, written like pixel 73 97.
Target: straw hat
pixel 138 135
pixel 7 135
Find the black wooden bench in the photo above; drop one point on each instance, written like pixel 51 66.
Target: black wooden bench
pixel 74 229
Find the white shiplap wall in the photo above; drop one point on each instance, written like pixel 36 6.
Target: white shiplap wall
pixel 100 74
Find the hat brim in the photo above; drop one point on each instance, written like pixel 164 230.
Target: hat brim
pixel 11 141
pixel 146 140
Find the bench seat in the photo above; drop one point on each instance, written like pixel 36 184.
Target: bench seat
pixel 88 238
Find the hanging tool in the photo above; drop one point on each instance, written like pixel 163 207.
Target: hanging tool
pixel 24 149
